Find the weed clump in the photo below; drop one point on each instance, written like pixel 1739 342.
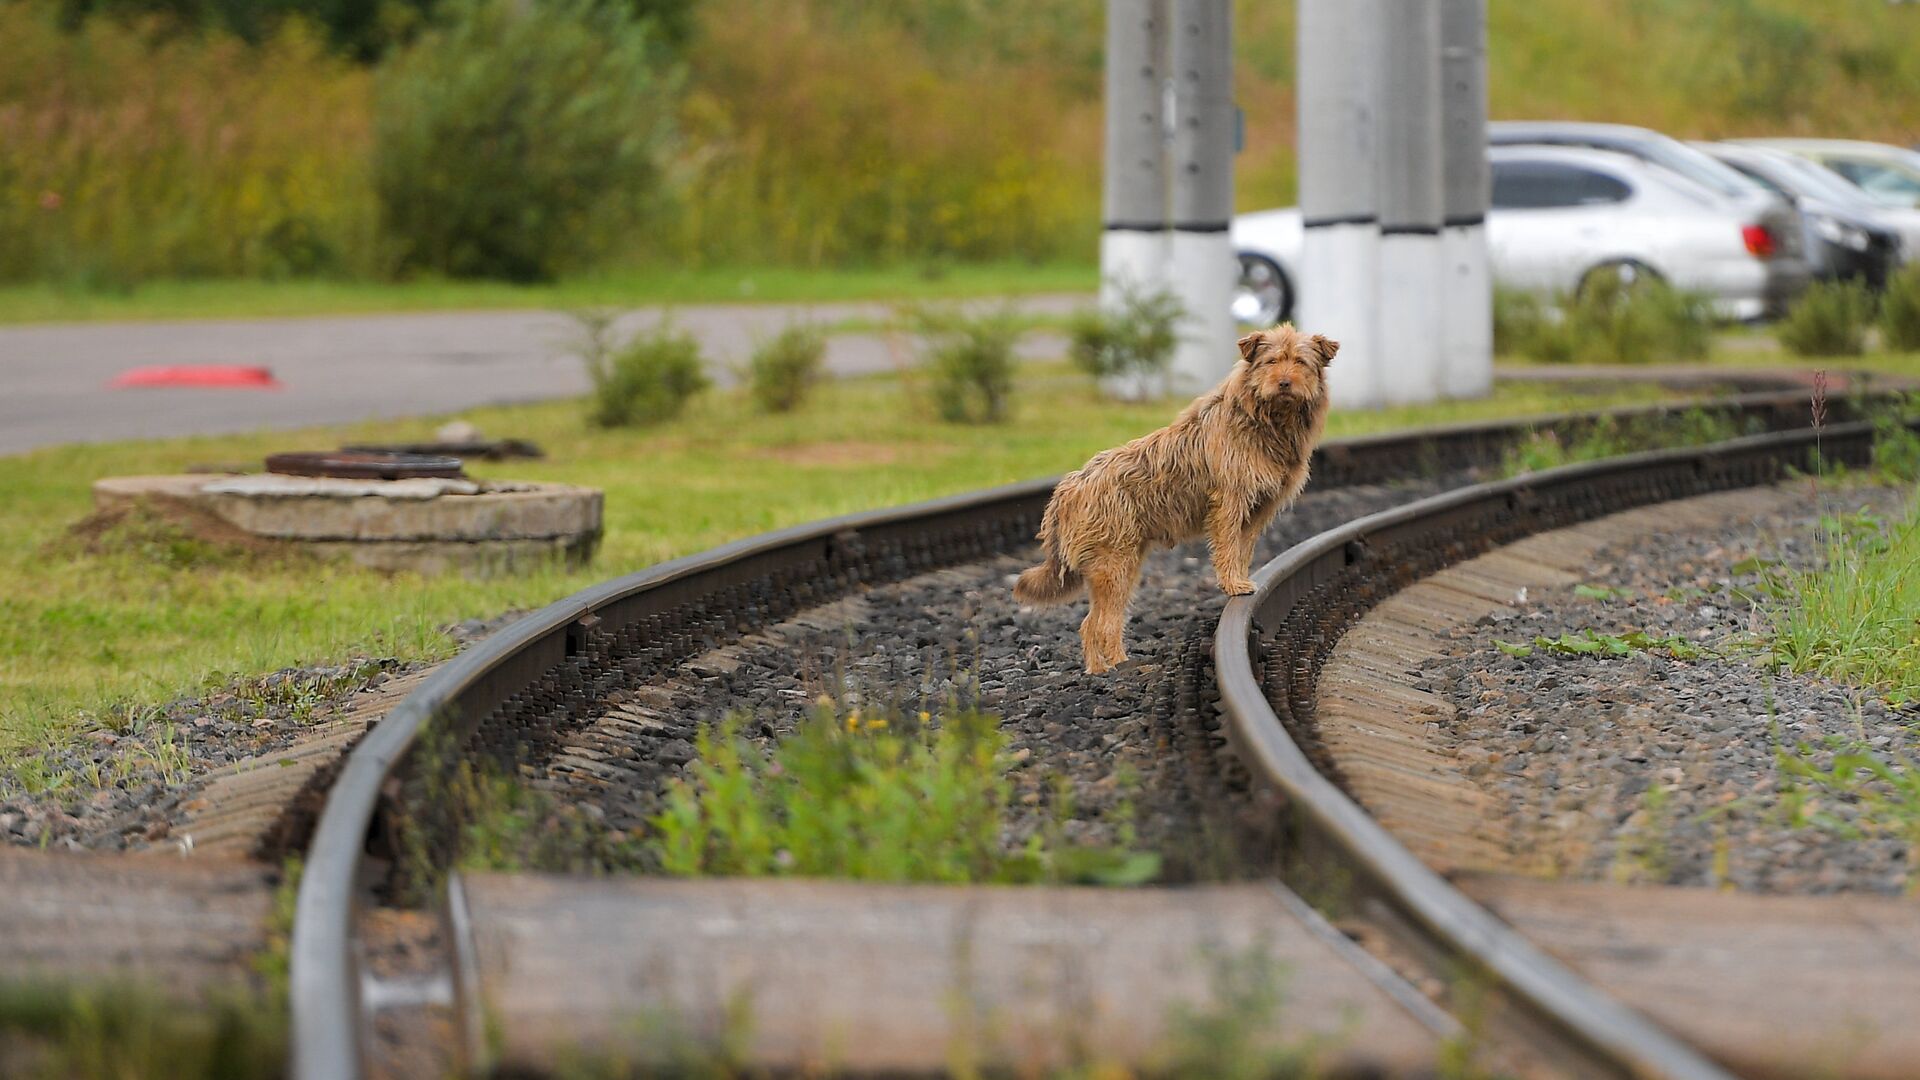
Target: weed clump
pixel 783 369
pixel 1885 789
pixel 645 380
pixel 1609 321
pixel 1608 437
pixel 1137 339
pixel 1853 619
pixel 971 360
pixel 1900 310
pixel 1830 319
pixel 868 798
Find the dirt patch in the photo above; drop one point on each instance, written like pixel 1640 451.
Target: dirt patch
pixel 173 532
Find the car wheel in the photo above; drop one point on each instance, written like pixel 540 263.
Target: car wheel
pixel 1628 274
pixel 1262 296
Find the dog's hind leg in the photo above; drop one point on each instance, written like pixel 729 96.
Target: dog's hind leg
pixel 1232 543
pixel 1111 577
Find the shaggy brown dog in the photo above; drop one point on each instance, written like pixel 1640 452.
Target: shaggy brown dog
pixel 1223 468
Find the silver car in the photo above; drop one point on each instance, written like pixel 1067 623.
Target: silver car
pixel 1889 175
pixel 1848 236
pixel 1787 268
pixel 1561 216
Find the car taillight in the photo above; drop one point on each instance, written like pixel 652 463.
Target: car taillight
pixel 1759 241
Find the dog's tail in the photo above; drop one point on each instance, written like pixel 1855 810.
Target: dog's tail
pixel 1052 582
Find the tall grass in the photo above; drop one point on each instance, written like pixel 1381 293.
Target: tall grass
pixel 814 132
pixel 1857 618
pixel 127 153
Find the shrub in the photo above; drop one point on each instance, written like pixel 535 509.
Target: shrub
pixel 1518 316
pixel 644 381
pixel 783 369
pixel 1830 319
pixel 1900 310
pixel 1138 339
pixel 515 141
pixel 971 360
pixel 1611 321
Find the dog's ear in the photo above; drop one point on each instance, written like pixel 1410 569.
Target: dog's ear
pixel 1247 346
pixel 1326 347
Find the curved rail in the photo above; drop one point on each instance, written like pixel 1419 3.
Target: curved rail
pixel 554 659
pixel 1307 597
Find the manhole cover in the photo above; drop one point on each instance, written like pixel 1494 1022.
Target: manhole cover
pixel 364 465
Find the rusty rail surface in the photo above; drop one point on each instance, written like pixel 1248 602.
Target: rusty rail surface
pixel 503 695
pixel 1270 647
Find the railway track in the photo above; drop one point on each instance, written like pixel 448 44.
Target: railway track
pixel 521 695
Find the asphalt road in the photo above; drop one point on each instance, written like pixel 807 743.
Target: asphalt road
pixel 53 378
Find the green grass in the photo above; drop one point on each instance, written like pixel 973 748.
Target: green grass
pixel 1883 791
pixel 262 299
pixel 89 632
pixel 121 1031
pixel 1744 347
pixel 1856 619
pixel 870 796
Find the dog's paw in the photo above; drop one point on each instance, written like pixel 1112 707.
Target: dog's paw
pixel 1241 587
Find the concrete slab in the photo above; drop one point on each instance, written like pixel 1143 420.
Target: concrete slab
pixel 912 978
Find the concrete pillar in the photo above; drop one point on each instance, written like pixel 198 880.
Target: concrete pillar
pixel 1134 244
pixel 1466 344
pixel 1337 89
pixel 1411 204
pixel 1203 270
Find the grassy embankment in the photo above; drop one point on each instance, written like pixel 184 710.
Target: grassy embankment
pixel 90 632
pixel 818 134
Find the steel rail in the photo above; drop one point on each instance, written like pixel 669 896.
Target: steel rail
pixel 1309 595
pixel 690 602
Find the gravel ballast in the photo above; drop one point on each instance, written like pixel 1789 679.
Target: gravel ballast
pixel 1648 768
pixel 1141 744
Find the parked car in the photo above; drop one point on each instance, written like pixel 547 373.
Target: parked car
pixel 1890 175
pixel 1788 271
pixel 1560 216
pixel 1848 237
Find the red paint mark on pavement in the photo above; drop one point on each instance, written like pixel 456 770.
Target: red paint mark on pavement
pixel 234 376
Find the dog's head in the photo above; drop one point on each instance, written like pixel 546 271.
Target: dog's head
pixel 1284 364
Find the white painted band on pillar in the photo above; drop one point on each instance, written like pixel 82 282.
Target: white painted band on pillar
pixel 1465 352
pixel 1410 318
pixel 1338 300
pixel 1203 274
pixel 1136 261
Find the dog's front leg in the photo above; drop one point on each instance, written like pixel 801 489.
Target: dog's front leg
pixel 1257 523
pixel 1232 551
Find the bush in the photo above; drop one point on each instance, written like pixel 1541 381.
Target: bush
pixel 1138 339
pixel 648 379
pixel 1900 310
pixel 971 360
pixel 1609 321
pixel 1830 319
pixel 782 370
pixel 516 141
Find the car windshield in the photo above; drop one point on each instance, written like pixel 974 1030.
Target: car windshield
pixel 1811 179
pixel 1893 183
pixel 1696 166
